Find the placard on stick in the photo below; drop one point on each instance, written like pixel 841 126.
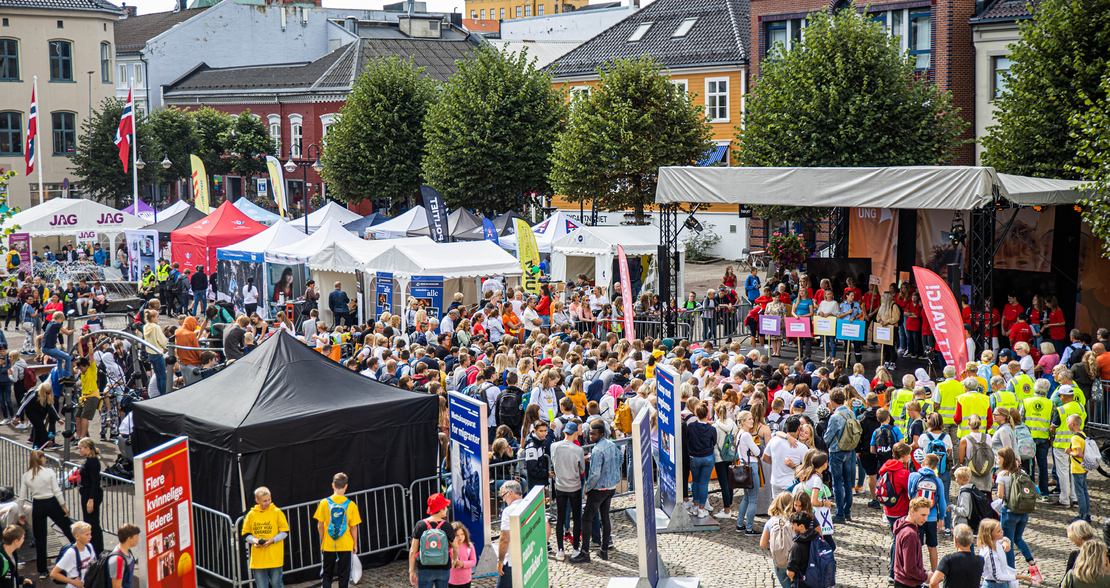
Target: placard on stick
pixel 824 326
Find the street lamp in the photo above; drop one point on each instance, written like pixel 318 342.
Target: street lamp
pixel 291 166
pixel 155 195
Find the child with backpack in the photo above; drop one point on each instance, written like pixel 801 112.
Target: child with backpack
pixel 972 505
pixel 1019 499
pixel 9 568
pixel 936 441
pixel 806 533
pixel 975 452
pixel 885 437
pixel 337 516
pixel 890 490
pixel 430 557
pixel 74 560
pixel 468 557
pixel 778 535
pixel 1084 456
pixel 924 483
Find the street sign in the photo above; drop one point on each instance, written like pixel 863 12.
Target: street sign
pixel 260 186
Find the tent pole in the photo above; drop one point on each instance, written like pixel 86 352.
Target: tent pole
pixel 242 489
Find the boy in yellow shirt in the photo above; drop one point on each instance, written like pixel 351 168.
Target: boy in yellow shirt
pixel 1078 473
pixel 89 403
pixel 266 527
pixel 337 518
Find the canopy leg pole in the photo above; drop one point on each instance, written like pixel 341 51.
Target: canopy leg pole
pixel 668 266
pixel 981 248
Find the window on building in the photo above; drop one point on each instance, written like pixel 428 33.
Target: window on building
pixel 474 14
pixel 65 133
pixel 681 85
pixel 640 31
pixel 433 25
pixel 784 33
pixel 912 27
pixel 9 59
pixel 539 10
pixel 61 24
pixel 5 22
pixel 61 61
pixel 11 133
pixel 1000 67
pixel 684 28
pixel 528 10
pixel 106 63
pixel 482 12
pixel 716 99
pixel 121 79
pixel 295 140
pixel 138 69
pixel 518 9
pixel 275 131
pixel 579 93
pixel 502 14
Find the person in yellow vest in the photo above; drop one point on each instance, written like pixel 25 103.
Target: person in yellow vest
pixel 1037 412
pixel 1063 378
pixel 972 402
pixel 924 398
pixel 898 401
pixel 1021 384
pixel 1061 441
pixel 1000 397
pixel 944 399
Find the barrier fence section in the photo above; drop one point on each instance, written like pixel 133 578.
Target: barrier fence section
pixel 1098 417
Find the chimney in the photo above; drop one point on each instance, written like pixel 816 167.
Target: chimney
pixel 351 25
pixel 129 10
pixel 181 5
pixel 412 7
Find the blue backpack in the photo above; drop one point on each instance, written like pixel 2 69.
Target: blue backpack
pixel 938 447
pixel 337 524
pixel 821 572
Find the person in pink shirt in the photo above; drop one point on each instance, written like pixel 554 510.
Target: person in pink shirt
pixel 468 558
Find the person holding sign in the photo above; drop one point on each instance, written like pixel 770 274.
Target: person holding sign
pixel 850 311
pixel 804 307
pixel 828 308
pixel 888 317
pixel 870 304
pixel 776 308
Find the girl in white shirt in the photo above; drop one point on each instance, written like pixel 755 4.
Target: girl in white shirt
pixel 39 487
pixel 827 308
pixel 992 548
pixel 747 449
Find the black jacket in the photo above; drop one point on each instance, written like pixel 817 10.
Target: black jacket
pixel 536 459
pixel 11 578
pixel 869 422
pixel 198 281
pixel 799 553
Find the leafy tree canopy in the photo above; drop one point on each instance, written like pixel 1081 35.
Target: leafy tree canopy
pixel 96 160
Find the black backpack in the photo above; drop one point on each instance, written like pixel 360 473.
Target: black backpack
pixel 509 411
pixel 980 508
pixel 97 575
pixel 884 444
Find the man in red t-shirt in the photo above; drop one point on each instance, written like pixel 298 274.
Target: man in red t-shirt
pixel 1020 331
pixel 851 287
pixel 1010 313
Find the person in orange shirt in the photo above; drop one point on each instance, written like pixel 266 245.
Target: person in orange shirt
pixel 1103 359
pixel 511 321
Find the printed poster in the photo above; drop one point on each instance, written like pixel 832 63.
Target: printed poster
pixel 824 326
pixel 667 418
pixel 873 234
pixel 851 330
pixel 428 292
pixel 799 327
pixel 770 324
pixel 163 497
pixel 470 468
pixel 383 293
pixel 142 249
pixel 21 242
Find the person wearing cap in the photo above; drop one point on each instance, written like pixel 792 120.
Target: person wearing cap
pixel 432 575
pixel 569 463
pixel 1061 441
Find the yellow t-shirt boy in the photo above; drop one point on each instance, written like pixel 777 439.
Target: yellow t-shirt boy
pixel 264 522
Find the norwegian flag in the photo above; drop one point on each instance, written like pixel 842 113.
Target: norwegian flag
pixel 123 133
pixel 32 134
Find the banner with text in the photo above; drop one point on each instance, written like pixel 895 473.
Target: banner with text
pixel 943 315
pixel 428 292
pixel 529 255
pixel 470 468
pixel 626 286
pixel 670 466
pixel 437 214
pixel 164 503
pixel 21 243
pixel 383 290
pixel 873 233
pixel 200 184
pixel 277 182
pixel 645 494
pixel 528 541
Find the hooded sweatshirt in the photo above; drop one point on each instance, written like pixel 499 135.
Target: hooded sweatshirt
pixel 187 336
pixel 901 478
pixel 536 459
pixel 909 568
pixel 799 553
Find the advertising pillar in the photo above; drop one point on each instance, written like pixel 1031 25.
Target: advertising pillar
pixel 163 499
pixel 470 475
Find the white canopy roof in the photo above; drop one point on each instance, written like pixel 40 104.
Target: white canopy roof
pixel 347 256
pixel 413 219
pixel 470 259
pixel 254 248
pixel 173 209
pixel 641 240
pixel 331 210
pixel 300 251
pixel 946 187
pixel 68 216
pixel 547 232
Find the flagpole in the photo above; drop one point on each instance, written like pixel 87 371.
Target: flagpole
pixel 38 145
pixel 134 148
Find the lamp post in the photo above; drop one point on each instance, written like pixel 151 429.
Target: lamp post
pixel 291 166
pixel 156 197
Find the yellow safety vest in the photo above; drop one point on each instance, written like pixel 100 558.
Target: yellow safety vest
pixel 927 407
pixel 1005 400
pixel 902 396
pixel 972 403
pixel 1022 386
pixel 949 390
pixel 1062 439
pixel 1038 416
pixel 163 273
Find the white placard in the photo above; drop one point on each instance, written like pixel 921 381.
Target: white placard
pixel 850 330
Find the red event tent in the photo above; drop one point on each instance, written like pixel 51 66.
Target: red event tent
pixel 196 244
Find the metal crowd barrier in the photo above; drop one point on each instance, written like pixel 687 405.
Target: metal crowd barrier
pixel 1098 417
pixel 644 327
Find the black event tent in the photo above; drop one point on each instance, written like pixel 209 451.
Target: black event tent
pixel 169 224
pixel 288 418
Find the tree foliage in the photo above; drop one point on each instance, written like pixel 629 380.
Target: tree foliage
pixel 376 148
pixel 248 142
pixel 491 132
pixel 1092 133
pixel 1056 68
pixel 619 135
pixel 212 133
pixel 96 159
pixel 176 130
pixel 846 95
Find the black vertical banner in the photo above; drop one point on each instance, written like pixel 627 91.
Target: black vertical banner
pixel 437 214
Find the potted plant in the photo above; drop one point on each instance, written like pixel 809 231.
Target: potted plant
pixel 787 250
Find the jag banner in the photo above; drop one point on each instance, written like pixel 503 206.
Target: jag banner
pixel 163 499
pixel 529 255
pixel 428 292
pixel 943 315
pixel 437 214
pixel 200 184
pixel 470 470
pixel 626 286
pixel 669 463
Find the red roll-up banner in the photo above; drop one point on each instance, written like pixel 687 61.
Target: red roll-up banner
pixel 626 293
pixel 943 314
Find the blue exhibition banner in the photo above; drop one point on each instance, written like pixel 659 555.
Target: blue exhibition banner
pixel 470 467
pixel 428 292
pixel 649 552
pixel 851 330
pixel 384 293
pixel 489 232
pixel 668 436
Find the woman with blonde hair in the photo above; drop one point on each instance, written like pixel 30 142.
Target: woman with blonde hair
pixel 889 316
pixel 462 333
pixel 1049 357
pixel 782 506
pixel 1079 532
pixel 1091 570
pixel 39 489
pixel 725 427
pixel 41 412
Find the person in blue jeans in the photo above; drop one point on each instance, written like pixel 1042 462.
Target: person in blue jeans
pixel 198 282
pixel 702 438
pixel 1013 524
pixel 842 462
pixel 53 330
pixel 925 482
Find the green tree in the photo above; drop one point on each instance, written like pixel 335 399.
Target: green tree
pixel 1055 69
pixel 1092 133
pixel 375 149
pixel 213 129
pixel 248 142
pixel 177 131
pixel 96 160
pixel 846 95
pixel 634 121
pixel 491 132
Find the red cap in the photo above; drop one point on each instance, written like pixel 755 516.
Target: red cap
pixel 437 502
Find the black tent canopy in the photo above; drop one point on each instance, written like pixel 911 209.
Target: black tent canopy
pixel 170 224
pixel 288 418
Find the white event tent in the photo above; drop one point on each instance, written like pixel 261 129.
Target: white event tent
pixel 331 231
pixel 591 251
pixel 413 219
pixel 49 222
pixel 337 262
pixel 253 250
pixel 175 208
pixel 548 231
pixel 331 210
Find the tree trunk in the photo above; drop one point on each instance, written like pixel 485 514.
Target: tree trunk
pixel 639 210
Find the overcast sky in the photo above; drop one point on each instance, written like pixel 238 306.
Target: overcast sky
pixel 148 6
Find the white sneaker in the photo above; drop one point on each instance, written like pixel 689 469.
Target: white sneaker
pixel 4 422
pixel 722 515
pixel 22 426
pixel 560 556
pixel 690 508
pixel 702 513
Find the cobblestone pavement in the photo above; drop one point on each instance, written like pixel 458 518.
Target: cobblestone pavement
pixel 725 558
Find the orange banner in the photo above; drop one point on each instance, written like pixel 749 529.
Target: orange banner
pixel 873 233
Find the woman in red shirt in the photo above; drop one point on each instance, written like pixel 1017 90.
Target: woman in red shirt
pixel 730 278
pixel 1038 315
pixel 1055 323
pixel 913 326
pixel 902 298
pixel 871 301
